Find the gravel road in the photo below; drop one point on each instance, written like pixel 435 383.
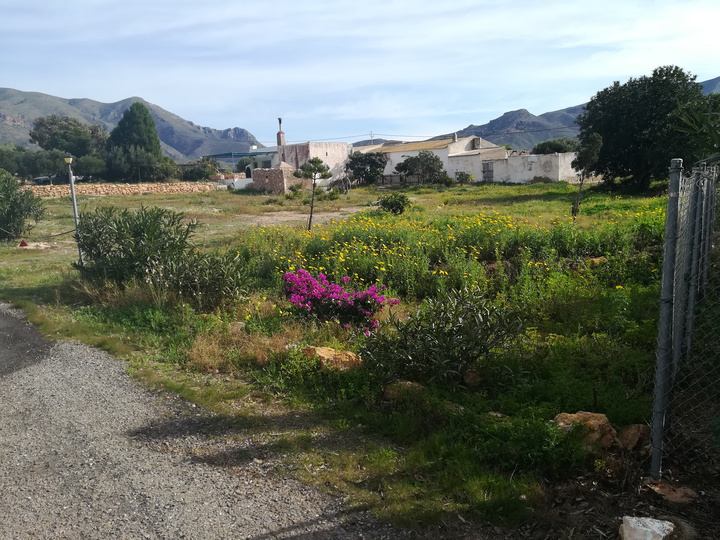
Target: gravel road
pixel 80 458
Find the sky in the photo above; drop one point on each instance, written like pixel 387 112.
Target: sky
pixel 338 70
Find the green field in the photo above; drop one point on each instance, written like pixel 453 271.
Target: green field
pixel 509 313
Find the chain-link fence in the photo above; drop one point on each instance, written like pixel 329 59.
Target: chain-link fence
pixel 686 410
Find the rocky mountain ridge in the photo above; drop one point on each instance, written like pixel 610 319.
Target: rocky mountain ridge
pixel 181 139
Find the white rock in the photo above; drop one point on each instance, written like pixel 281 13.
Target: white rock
pixel 638 528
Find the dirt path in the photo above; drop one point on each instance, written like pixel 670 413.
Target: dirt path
pixel 87 453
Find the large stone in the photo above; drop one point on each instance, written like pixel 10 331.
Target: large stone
pixel 599 432
pixel 634 436
pixel 642 528
pixel 333 359
pixel 402 390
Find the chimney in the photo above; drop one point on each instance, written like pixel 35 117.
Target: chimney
pixel 280 134
pixel 454 137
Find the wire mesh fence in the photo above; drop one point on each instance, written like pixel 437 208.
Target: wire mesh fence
pixel 686 410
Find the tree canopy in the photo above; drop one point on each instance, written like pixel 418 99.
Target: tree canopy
pixel 69 135
pixel 426 166
pixel 367 167
pixel 136 128
pixel 559 145
pixel 637 122
pixel 134 146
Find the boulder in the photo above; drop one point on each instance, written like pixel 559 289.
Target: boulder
pixel 599 432
pixel 333 359
pixel 642 528
pixel 401 390
pixel 634 436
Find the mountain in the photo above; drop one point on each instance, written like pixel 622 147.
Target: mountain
pixel 522 130
pixel 712 86
pixel 180 139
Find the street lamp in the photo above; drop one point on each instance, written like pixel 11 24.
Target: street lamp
pixel 68 160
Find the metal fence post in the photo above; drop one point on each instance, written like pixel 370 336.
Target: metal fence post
pixel 665 352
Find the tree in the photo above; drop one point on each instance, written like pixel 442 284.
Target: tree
pixel 426 166
pixel 636 121
pixel 134 146
pixel 314 169
pixel 136 128
pixel 70 135
pixel 560 145
pixel 703 127
pixel 585 162
pixel 17 205
pixel 367 167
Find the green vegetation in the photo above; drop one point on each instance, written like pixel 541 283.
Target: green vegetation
pixel 367 167
pixel 17 206
pixel 510 312
pixel 560 145
pixel 638 124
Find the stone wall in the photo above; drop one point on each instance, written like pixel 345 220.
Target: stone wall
pixel 123 189
pixel 277 181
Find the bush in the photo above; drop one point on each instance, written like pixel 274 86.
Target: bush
pixel 442 340
pixel 17 206
pixel 323 300
pixel 126 245
pixel 152 246
pixel 395 203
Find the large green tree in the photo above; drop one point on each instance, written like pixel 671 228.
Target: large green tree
pixel 134 146
pixel 426 166
pixel 70 135
pixel 637 122
pixel 560 145
pixel 136 128
pixel 367 167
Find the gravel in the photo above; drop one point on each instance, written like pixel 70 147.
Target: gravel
pixel 85 452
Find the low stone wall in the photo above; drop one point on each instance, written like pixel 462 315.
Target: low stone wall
pixel 123 189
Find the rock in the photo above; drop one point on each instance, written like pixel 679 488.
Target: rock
pixel 634 436
pixel 597 261
pixel 333 359
pixel 401 390
pixel 599 432
pixel 237 327
pixel 472 378
pixel 640 528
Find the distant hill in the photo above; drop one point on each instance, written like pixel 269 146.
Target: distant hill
pixel 522 130
pixel 712 86
pixel 180 139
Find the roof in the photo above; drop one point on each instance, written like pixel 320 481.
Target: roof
pixel 256 152
pixel 414 146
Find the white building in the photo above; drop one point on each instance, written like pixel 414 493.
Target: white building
pixel 486 161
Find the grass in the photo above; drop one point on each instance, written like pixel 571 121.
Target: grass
pixel 587 290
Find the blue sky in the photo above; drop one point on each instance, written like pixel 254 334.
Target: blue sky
pixel 340 70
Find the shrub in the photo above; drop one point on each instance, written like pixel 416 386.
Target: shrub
pixel 126 245
pixel 323 300
pixel 152 246
pixel 395 203
pixel 17 206
pixel 442 340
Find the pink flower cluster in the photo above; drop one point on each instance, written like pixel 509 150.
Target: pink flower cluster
pixel 329 301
